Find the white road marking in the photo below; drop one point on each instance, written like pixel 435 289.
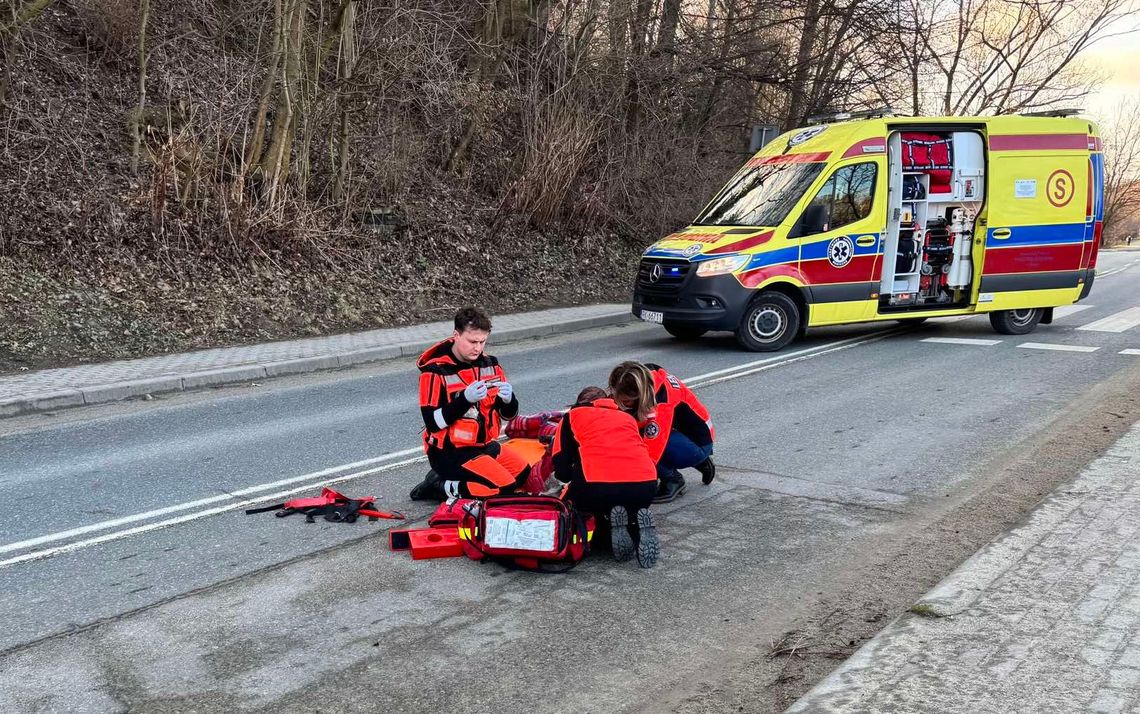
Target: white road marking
pixel 1130 352
pixel 116 522
pixel 697 382
pixel 1119 322
pixel 1066 310
pixel 742 370
pixel 48 552
pixel 1057 348
pixel 961 341
pixel 1117 270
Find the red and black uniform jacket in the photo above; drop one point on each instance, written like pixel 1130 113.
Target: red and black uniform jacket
pixel 600 443
pixel 450 421
pixel 677 409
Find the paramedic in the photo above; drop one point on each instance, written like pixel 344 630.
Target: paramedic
pixel 690 430
pixel 464 394
pixel 673 422
pixel 598 450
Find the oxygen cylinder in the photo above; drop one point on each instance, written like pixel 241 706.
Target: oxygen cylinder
pixel 960 268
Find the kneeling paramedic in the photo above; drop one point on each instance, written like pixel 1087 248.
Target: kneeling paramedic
pixel 686 423
pixel 464 395
pixel 599 451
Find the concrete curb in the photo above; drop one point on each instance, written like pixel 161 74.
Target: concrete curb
pixel 236 374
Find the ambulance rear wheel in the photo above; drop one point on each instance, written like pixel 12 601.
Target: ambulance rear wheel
pixel 1016 322
pixel 771 321
pixel 684 332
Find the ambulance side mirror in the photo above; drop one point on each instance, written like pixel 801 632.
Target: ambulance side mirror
pixel 813 220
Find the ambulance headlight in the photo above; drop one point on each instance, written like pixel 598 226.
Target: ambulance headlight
pixel 720 266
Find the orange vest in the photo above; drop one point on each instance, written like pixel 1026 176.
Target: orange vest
pixel 610 447
pixel 441 379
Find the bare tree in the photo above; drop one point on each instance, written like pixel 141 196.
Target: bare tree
pixel 1121 137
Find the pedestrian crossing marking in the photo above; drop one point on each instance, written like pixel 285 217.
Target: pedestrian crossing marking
pixel 1119 322
pixel 1058 348
pixel 1066 310
pixel 961 341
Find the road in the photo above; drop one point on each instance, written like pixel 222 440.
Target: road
pixel 856 469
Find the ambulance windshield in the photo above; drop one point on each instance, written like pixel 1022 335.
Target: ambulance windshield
pixel 760 196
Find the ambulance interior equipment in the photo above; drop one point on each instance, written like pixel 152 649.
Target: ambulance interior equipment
pixel 935 193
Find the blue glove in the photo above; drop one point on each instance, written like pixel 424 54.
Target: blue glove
pixel 475 392
pixel 506 391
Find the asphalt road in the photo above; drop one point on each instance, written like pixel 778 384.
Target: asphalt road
pixel 131 579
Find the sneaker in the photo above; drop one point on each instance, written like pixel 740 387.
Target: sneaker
pixel 620 537
pixel 430 489
pixel 648 547
pixel 670 488
pixel 707 469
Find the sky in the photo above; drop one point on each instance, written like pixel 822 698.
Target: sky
pixel 1119 57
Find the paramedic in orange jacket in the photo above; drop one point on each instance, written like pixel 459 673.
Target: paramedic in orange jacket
pixel 675 425
pixel 464 395
pixel 599 451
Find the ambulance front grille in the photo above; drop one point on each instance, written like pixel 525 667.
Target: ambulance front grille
pixel 662 276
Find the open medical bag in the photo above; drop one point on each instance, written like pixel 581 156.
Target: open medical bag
pixel 526 532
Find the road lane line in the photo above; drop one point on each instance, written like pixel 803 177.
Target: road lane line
pixel 67 547
pixel 116 522
pixel 1118 322
pixel 1066 310
pixel 696 382
pixel 790 355
pixel 701 381
pixel 1130 352
pixel 1117 270
pixel 1056 348
pixel 961 341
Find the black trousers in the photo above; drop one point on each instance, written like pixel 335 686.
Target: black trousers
pixel 599 498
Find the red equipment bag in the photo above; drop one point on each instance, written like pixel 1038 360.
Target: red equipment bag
pixel 526 532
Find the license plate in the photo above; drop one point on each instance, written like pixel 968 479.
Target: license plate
pixel 651 316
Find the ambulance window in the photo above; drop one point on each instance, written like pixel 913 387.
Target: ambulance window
pixel 846 197
pixel 760 196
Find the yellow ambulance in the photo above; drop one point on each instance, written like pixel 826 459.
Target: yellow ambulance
pixel 878 217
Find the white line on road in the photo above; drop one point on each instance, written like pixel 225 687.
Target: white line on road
pixel 57 550
pixel 1117 270
pixel 961 341
pixel 115 523
pixel 696 382
pixel 1130 352
pixel 1066 310
pixel 1119 322
pixel 1056 348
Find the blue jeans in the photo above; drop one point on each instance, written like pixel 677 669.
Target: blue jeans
pixel 681 453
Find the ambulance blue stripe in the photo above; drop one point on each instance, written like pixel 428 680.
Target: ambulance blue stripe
pixel 817 250
pixel 1098 183
pixel 775 257
pixel 1038 235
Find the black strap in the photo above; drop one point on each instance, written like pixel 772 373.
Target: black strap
pixel 264 509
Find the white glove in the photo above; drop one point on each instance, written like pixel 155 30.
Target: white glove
pixel 506 391
pixel 475 392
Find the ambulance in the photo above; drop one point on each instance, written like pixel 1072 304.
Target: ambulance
pixel 876 217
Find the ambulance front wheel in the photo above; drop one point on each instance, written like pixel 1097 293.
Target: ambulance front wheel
pixel 1016 322
pixel 770 323
pixel 684 332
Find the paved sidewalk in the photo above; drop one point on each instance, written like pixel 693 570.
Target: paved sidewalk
pixel 52 389
pixel 1044 619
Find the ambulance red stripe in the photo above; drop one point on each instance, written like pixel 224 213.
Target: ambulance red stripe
pixel 1029 259
pixel 1038 142
pixel 742 244
pixel 790 159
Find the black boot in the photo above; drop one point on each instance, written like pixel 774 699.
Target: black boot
pixel 707 469
pixel 430 489
pixel 670 488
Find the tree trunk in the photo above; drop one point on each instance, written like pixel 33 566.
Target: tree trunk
pixel 275 163
pixel 136 119
pixel 803 64
pixel 347 63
